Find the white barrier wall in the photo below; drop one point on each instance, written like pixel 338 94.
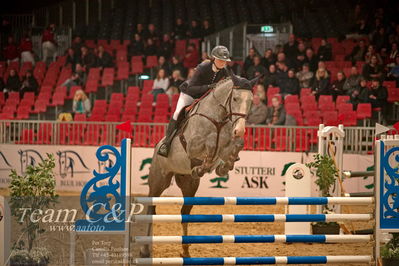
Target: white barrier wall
pixel 256 174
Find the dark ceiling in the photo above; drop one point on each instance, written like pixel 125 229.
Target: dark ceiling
pixel 24 6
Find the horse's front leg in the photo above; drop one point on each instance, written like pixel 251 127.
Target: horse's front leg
pixel 229 157
pixel 208 152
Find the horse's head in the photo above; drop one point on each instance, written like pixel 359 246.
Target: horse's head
pixel 241 100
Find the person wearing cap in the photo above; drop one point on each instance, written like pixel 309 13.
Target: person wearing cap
pixel 205 77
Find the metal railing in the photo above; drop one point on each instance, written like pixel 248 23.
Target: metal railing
pixel 358 140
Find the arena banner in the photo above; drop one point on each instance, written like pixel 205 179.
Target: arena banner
pixel 255 174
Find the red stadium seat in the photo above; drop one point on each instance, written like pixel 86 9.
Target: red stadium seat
pixel 363 110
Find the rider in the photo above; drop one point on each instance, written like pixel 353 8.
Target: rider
pixel 206 75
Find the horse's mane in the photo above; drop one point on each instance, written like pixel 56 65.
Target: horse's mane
pixel 223 83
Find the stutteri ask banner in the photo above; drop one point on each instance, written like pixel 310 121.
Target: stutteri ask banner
pixel 256 174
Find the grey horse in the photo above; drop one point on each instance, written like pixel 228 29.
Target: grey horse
pixel 210 139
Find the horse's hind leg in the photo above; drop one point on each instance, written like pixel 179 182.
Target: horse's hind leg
pixel 188 187
pixel 158 181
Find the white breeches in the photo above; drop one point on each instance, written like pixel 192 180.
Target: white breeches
pixel 49 50
pixel 27 56
pixel 184 100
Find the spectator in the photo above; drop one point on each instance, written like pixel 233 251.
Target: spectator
pixel 87 59
pixel 162 65
pixel 48 43
pixel 276 113
pixel 300 58
pixel 104 59
pixel 206 28
pixel 180 29
pixel 358 53
pixel 11 52
pixel 281 58
pixel 377 95
pixel 337 87
pixel 311 59
pixel 77 46
pixel 291 48
pixel 190 73
pixel 74 80
pixel 236 67
pixel 325 51
pixel 29 84
pixel 166 47
pixel 268 58
pixel 281 72
pixel 191 58
pixel 81 104
pixel 305 77
pixel 71 59
pixel 257 114
pixel 362 27
pixel 353 80
pixel 394 73
pixel 289 85
pixel 177 65
pixel 136 47
pixel 393 53
pixel 205 56
pixel 140 30
pixel 2 85
pixel 174 83
pixel 370 53
pixel 356 92
pixel 13 82
pixel 195 30
pixel 322 64
pixel 151 33
pixel 26 49
pixel 372 70
pixel 161 84
pixel 256 69
pixel 278 49
pixel 321 83
pixel 261 93
pixel 150 48
pixel 249 60
pixel 379 38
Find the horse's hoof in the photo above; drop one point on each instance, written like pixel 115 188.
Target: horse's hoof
pixel 185 255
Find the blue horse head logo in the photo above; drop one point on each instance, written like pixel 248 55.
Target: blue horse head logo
pixel 70 163
pixel 29 157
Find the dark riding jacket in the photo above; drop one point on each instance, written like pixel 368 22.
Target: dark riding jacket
pixel 203 79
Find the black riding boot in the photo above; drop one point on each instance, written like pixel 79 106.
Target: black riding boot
pixel 165 146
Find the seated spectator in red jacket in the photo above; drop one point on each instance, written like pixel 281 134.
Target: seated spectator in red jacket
pixel 191 58
pixel 103 58
pixel 321 83
pixel 13 82
pixel 180 30
pixel 194 31
pixel 136 47
pixel 11 52
pixel 29 84
pixel 48 43
pixel 258 113
pixel 325 51
pixel 337 87
pixel 276 113
pixel 289 85
pixel 150 49
pixel 372 70
pixel 26 50
pixel 87 59
pixel 256 69
pixel 166 47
